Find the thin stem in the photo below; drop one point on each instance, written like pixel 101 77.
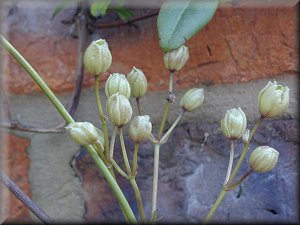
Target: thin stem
pixel 124 153
pixel 21 195
pixel 245 150
pixel 138 105
pixel 167 134
pixel 235 171
pixel 119 169
pixel 215 206
pixel 102 118
pixel 171 81
pixel 155 177
pixel 64 113
pixel 230 161
pixel 138 199
pixel 135 157
pixel 164 119
pixel 112 142
pixel 230 187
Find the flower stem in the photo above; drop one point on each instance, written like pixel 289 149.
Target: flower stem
pixel 67 117
pixel 230 161
pixel 230 187
pixel 164 119
pixel 138 198
pixel 135 157
pixel 112 143
pixel 119 169
pixel 124 153
pixel 235 171
pixel 166 135
pixel 138 105
pixel 155 177
pixel 102 118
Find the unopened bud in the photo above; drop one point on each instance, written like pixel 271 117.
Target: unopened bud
pixel 245 136
pixel 177 58
pixel 273 99
pixel 140 128
pixel 119 109
pixel 83 133
pixel 138 82
pixel 192 99
pixel 234 123
pixel 117 83
pixel 263 159
pixel 97 57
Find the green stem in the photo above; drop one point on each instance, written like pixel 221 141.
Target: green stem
pixel 164 119
pixel 138 199
pixel 112 143
pixel 230 187
pixel 215 206
pixel 167 134
pixel 135 157
pixel 230 161
pixel 155 177
pixel 138 105
pixel 102 118
pixel 235 171
pixel 67 117
pixel 124 153
pixel 119 169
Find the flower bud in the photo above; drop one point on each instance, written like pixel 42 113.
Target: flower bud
pixel 119 109
pixel 138 82
pixel 263 159
pixel 117 83
pixel 192 99
pixel 234 123
pixel 273 99
pixel 97 57
pixel 245 136
pixel 177 58
pixel 140 128
pixel 82 133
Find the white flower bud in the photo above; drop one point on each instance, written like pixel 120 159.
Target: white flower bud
pixel 83 133
pixel 177 58
pixel 234 123
pixel 117 83
pixel 119 109
pixel 245 136
pixel 140 128
pixel 192 99
pixel 97 57
pixel 263 159
pixel 138 82
pixel 273 99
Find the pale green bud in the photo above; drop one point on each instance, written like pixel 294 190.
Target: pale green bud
pixel 263 159
pixel 177 58
pixel 192 99
pixel 119 109
pixel 234 123
pixel 97 57
pixel 138 82
pixel 273 99
pixel 117 83
pixel 245 136
pixel 83 133
pixel 140 128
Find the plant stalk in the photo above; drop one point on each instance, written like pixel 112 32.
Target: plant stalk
pixel 124 153
pixel 135 157
pixel 138 198
pixel 155 177
pixel 230 161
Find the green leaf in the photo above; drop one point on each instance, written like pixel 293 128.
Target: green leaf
pixel 124 14
pixel 99 7
pixel 178 21
pixel 61 6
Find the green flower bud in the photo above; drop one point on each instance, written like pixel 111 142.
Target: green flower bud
pixel 273 99
pixel 119 109
pixel 117 83
pixel 97 57
pixel 263 159
pixel 192 99
pixel 138 82
pixel 82 133
pixel 177 58
pixel 140 128
pixel 234 123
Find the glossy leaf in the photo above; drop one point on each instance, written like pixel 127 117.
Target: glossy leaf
pixel 123 13
pixel 178 21
pixel 99 7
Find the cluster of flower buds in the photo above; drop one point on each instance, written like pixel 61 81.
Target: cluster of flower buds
pixel 175 59
pixel 234 123
pixel 97 57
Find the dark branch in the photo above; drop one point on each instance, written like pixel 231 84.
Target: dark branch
pixel 34 208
